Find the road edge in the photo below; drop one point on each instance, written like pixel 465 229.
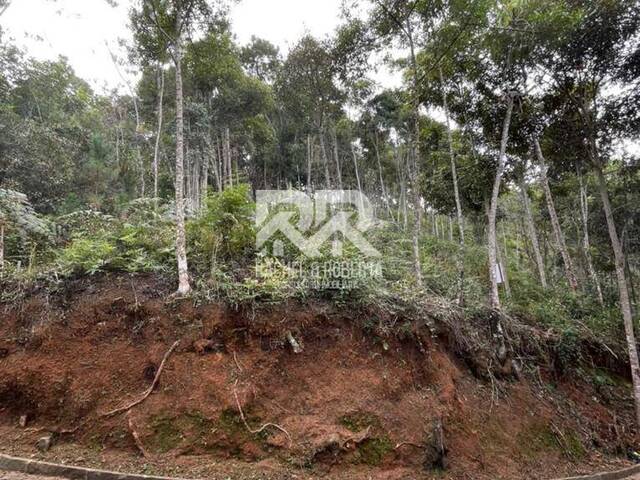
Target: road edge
pixel 37 467
pixel 617 475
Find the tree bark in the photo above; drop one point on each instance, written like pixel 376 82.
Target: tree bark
pixel 184 287
pixel 494 295
pixel 533 234
pixel 156 150
pixel 555 223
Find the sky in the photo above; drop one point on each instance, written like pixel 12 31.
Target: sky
pixel 86 31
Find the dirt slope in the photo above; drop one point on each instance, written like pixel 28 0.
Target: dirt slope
pixel 355 403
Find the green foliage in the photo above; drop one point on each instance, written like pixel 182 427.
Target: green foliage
pixel 224 229
pixel 87 256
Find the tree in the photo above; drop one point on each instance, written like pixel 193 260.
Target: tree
pixel 162 26
pixel 587 64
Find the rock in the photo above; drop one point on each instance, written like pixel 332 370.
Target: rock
pixel 296 347
pixel 23 421
pixel 44 443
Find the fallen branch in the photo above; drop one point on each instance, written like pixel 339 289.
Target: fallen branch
pixel 235 359
pixel 410 444
pixel 263 427
pixel 149 390
pixel 136 437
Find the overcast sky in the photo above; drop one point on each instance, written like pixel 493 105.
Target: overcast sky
pixel 82 29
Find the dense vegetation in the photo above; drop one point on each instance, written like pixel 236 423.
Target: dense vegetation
pixel 503 147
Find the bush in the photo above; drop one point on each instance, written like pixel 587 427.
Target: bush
pixel 85 255
pixel 224 230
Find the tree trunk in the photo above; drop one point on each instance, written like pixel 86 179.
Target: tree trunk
pixel 336 154
pixel 494 296
pixel 156 150
pixel 357 170
pixel 413 161
pixel 181 249
pixel 227 150
pixel 383 188
pixel 625 303
pixel 555 223
pixel 204 186
pixel 586 243
pixel 503 269
pixel 309 164
pixel 1 247
pixel 504 263
pixel 533 234
pixel 325 161
pixel 456 194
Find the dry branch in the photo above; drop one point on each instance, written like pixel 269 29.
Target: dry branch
pixel 136 437
pixel 263 427
pixel 149 390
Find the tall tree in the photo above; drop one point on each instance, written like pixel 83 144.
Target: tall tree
pixel 586 65
pixel 162 26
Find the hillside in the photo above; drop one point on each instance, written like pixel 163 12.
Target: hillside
pixel 370 395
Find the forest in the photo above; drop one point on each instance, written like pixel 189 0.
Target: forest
pixel 504 175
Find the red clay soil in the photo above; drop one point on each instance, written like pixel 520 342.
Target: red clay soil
pixel 351 405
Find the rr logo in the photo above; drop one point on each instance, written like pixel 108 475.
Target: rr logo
pixel 313 213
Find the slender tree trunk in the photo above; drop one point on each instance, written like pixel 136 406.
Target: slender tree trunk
pixel 227 147
pixel 586 243
pixel 383 188
pixel 503 269
pixel 181 248
pixel 309 154
pixel 533 234
pixel 494 296
pixel 413 162
pixel 222 158
pixel 355 166
pixel 1 247
pixel 456 193
pixel 336 154
pixel 555 223
pixel 204 186
pixel 325 161
pixel 625 303
pixel 156 150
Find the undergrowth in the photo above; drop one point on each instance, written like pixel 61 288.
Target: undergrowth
pixel 225 267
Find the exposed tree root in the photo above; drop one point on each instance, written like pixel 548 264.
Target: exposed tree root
pixel 136 437
pixel 149 390
pixel 263 427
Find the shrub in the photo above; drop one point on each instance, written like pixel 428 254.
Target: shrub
pixel 85 255
pixel 224 230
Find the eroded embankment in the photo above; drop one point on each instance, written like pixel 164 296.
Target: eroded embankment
pixel 367 397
